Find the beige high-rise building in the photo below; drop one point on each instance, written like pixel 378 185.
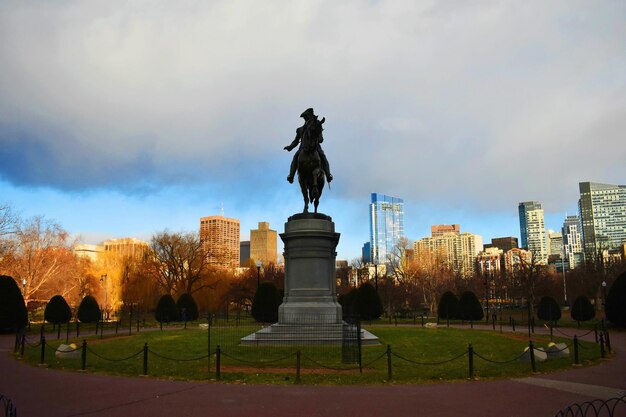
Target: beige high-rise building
pixel 127 247
pixel 263 244
pixel 458 249
pixel 220 241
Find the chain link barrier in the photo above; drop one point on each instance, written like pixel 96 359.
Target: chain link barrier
pixel 428 363
pixel 257 362
pixel 321 365
pixel 517 358
pixel 114 360
pixel 158 355
pixel 571 336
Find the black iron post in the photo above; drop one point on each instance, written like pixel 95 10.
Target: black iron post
pixel 84 355
pixel 470 354
pixel 130 320
pixel 576 361
pixel 358 335
pixel 145 358
pixel 218 362
pixel 22 344
pixel 531 350
pixel 389 369
pixel 258 274
pixel 602 351
pixel 487 297
pixel 42 358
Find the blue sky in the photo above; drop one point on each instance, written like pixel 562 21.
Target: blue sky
pixel 128 118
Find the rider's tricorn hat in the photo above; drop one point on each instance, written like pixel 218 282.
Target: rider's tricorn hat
pixel 307 112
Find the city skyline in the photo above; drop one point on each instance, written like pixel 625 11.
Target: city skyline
pixel 125 120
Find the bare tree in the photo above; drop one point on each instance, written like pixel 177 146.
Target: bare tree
pixel 39 258
pixel 179 262
pixel 8 227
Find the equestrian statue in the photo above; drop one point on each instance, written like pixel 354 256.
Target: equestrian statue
pixel 309 160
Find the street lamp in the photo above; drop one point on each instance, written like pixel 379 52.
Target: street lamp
pixel 24 287
pixel 604 297
pixel 103 278
pixel 258 273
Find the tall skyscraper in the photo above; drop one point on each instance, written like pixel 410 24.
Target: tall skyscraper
pixel 572 241
pixel 603 216
pixel 386 226
pixel 220 241
pixel 263 244
pixel 458 249
pixel 532 230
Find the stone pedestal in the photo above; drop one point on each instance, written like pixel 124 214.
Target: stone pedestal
pixel 310 289
pixel 310 313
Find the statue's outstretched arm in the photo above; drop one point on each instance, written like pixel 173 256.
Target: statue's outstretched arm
pixel 294 143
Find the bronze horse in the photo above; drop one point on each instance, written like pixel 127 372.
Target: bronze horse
pixel 310 173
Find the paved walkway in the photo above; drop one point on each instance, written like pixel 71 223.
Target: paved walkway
pixel 39 391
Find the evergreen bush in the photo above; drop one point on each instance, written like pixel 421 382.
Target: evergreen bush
pixel 166 310
pixel 367 303
pixel 582 309
pixel 188 305
pixel 57 311
pixel 13 314
pixel 616 302
pixel 548 309
pixel 470 308
pixel 265 303
pixel 347 303
pixel 448 307
pixel 88 310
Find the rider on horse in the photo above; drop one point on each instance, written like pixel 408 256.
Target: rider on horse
pixel 309 119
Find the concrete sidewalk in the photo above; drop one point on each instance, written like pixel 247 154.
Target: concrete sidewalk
pixel 39 391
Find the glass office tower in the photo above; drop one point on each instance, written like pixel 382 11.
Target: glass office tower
pixel 603 216
pixel 386 226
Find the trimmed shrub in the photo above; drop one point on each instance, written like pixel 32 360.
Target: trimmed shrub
pixel 448 307
pixel 265 303
pixel 187 307
pixel 347 303
pixel 582 309
pixel 166 309
pixel 470 308
pixel 13 314
pixel 616 302
pixel 548 309
pixel 57 310
pixel 367 303
pixel 88 310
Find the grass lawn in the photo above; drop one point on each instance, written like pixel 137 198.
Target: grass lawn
pixel 410 345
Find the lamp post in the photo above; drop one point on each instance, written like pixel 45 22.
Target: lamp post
pixel 604 297
pixel 376 276
pixel 258 273
pixel 103 278
pixel 24 287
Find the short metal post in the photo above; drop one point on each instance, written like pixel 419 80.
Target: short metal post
pixel 576 359
pixel 117 326
pixel 23 342
pixel 145 358
pixel 607 340
pixel 602 351
pixel 17 341
pixel 595 333
pixel 84 355
pixel 358 336
pixel 59 331
pixel 470 354
pixel 422 320
pixel 513 324
pixel 67 333
pixel 42 359
pixel 298 359
pixel 531 350
pixel 389 369
pixel 218 373
pixel 493 322
pixel 137 326
pixel 551 332
pixel 101 329
pixel 77 328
